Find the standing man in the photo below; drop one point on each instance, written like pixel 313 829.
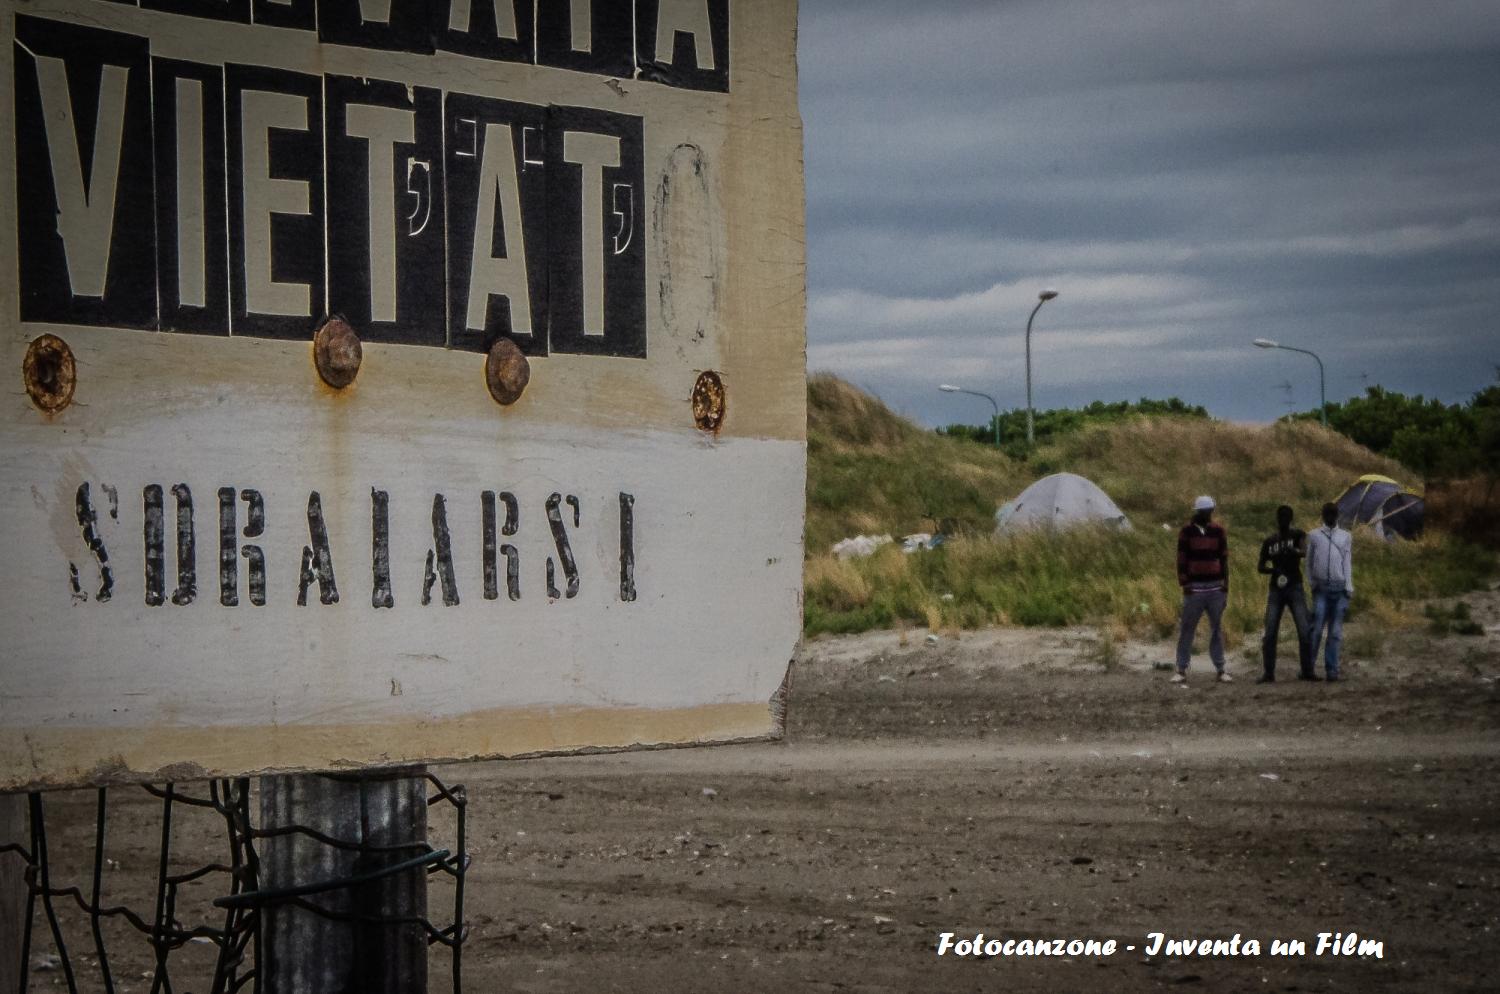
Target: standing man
pixel 1281 559
pixel 1203 574
pixel 1330 566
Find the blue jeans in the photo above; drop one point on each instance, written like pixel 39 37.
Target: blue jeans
pixel 1329 606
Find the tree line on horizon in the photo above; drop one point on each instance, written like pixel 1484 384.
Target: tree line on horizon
pixel 1051 423
pixel 1439 441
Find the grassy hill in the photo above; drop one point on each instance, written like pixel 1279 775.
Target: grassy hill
pixel 873 472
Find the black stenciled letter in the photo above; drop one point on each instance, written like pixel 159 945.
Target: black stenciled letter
pixel 380 549
pixel 187 548
pixel 564 548
pixel 229 559
pixel 229 551
pixel 627 547
pixel 512 556
pixel 487 543
pixel 255 526
pixel 440 558
pixel 88 521
pixel 154 537
pixel 317 559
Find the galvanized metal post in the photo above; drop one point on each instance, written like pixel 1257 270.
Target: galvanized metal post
pixel 1041 299
pixel 13 828
pixel 365 947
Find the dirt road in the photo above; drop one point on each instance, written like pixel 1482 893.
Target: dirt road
pixel 1020 784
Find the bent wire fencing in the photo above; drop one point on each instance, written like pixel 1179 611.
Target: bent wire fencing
pixel 221 895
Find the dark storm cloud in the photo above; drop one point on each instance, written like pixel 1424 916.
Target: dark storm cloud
pixel 1190 176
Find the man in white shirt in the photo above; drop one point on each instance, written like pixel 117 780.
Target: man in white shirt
pixel 1330 569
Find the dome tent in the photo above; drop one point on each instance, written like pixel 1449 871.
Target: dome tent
pixel 1059 501
pixel 1383 504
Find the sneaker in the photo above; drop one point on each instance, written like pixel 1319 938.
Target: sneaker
pixel 1333 678
pixel 1265 679
pixel 1313 677
pixel 1179 677
pixel 1225 677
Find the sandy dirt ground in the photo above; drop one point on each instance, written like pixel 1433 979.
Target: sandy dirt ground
pixel 1023 784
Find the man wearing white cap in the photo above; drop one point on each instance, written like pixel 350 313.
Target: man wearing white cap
pixel 1203 574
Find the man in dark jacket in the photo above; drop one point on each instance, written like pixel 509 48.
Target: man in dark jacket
pixel 1281 559
pixel 1203 574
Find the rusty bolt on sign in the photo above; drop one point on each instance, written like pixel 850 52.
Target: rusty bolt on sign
pixel 337 353
pixel 506 371
pixel 709 401
pixel 50 373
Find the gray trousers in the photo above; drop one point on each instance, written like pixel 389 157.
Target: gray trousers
pixel 1194 604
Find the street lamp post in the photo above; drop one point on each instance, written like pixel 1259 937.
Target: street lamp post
pixel 1042 298
pixel 1266 343
pixel 950 388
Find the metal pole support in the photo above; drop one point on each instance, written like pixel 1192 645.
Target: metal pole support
pixel 13 891
pixel 369 941
pixel 1030 418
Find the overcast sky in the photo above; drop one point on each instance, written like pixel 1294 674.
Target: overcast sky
pixel 1189 176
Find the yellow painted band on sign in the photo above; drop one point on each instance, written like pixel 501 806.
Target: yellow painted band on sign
pixel 61 757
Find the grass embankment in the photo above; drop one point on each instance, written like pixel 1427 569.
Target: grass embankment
pixel 872 472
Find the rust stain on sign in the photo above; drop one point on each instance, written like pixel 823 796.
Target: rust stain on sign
pixel 506 372
pixel 337 353
pixel 709 402
pixel 50 373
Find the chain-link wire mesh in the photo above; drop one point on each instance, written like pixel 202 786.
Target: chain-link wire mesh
pixel 191 908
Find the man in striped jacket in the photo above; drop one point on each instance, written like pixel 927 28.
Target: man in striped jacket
pixel 1203 574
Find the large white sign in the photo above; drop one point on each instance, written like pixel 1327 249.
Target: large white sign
pixel 226 552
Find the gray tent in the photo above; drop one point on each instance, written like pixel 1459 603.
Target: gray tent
pixel 1060 501
pixel 1382 503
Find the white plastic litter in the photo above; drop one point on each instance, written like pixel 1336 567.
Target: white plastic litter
pixel 916 543
pixel 859 546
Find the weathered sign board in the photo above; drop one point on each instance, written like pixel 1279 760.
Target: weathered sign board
pixel 216 560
